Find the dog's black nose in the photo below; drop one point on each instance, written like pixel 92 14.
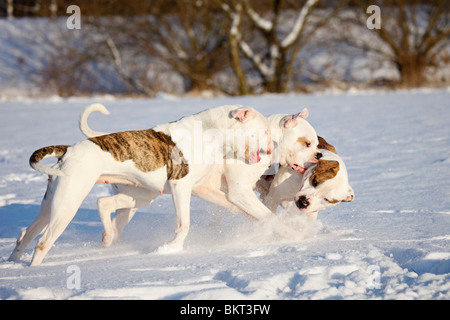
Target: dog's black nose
pixel 318 155
pixel 302 202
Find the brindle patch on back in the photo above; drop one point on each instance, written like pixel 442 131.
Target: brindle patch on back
pixel 325 145
pixel 149 150
pixel 325 170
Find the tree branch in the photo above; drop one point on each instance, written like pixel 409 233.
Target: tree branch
pixel 294 35
pixel 263 24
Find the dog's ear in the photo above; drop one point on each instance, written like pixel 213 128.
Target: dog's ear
pixel 325 145
pixel 304 113
pixel 243 114
pixel 290 121
pixel 325 170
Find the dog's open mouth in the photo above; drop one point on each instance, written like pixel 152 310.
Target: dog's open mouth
pixel 298 168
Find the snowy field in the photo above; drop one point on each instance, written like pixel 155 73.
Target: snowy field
pixel 391 242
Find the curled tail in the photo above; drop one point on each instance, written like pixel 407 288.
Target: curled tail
pixel 51 151
pixel 83 119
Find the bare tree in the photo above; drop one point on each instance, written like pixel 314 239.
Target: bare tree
pixel 415 33
pixel 188 38
pixel 78 63
pixel 182 35
pixel 273 62
pixel 117 61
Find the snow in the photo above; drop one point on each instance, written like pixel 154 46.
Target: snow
pixel 391 242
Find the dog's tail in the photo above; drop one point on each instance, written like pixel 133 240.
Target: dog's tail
pixel 51 151
pixel 83 119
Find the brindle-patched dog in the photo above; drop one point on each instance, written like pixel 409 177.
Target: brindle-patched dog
pixel 296 143
pixel 156 159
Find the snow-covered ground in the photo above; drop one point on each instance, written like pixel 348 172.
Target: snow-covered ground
pixel 391 242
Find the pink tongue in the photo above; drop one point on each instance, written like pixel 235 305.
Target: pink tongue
pixel 298 168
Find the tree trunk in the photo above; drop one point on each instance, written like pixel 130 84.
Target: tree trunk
pixel 411 70
pixel 10 9
pixel 234 52
pixel 237 68
pixel 275 82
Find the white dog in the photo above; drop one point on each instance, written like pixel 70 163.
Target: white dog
pixel 159 159
pixel 296 144
pixel 321 186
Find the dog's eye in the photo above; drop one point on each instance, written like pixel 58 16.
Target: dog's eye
pixel 308 144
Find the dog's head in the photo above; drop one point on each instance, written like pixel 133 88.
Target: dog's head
pixel 325 184
pixel 298 142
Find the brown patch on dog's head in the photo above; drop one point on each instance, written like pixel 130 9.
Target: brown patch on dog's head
pixel 149 150
pixel 325 170
pixel 304 141
pixel 325 145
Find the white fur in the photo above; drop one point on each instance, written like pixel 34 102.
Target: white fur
pixel 226 184
pixel 85 162
pixel 288 185
pixel 290 128
pixel 337 188
pixel 284 187
pixel 85 114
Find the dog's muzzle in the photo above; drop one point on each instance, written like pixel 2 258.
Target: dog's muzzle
pixel 302 202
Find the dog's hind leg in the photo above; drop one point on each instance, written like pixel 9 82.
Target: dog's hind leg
pixel 35 228
pixel 120 220
pixel 54 230
pixel 130 202
pixel 126 202
pixel 105 207
pixel 70 192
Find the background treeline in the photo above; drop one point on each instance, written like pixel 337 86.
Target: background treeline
pixel 231 46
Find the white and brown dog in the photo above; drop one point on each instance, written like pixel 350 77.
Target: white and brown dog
pixel 162 159
pixel 321 186
pixel 296 147
pixel 158 159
